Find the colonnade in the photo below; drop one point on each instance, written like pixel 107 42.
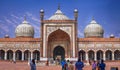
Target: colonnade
pixel 97 55
pixel 19 55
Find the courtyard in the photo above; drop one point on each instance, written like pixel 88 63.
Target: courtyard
pixel 7 65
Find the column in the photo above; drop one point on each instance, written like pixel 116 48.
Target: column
pixel 104 56
pixel 113 56
pixel 95 56
pixel 86 56
pixel 31 55
pixel 5 57
pixel 14 56
pixel 22 56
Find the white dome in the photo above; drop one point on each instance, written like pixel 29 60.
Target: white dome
pixel 24 30
pixel 58 16
pixel 93 30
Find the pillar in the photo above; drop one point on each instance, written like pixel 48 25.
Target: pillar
pixel 95 58
pixel 22 56
pixel 5 57
pixel 31 55
pixel 14 56
pixel 104 56
pixel 86 56
pixel 113 56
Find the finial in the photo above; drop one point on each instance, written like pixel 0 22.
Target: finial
pixel 24 18
pixel 93 18
pixel 58 6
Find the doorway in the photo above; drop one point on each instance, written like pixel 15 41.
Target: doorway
pixel 59 53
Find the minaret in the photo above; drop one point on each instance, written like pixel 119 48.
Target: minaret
pixel 75 14
pixel 41 21
pixel 41 15
pixel 76 24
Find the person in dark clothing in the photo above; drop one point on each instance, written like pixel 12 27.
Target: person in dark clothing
pixel 102 65
pixel 63 64
pixel 94 65
pixel 79 65
pixel 33 65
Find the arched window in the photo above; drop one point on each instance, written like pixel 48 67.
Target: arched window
pixel 108 54
pixel 81 54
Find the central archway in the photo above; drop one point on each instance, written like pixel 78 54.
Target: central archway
pixel 58 40
pixel 59 52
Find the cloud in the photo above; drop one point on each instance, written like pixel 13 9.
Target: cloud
pixel 15 16
pixel 29 14
pixel 1 21
pixel 32 17
pixel 7 20
pixel 35 19
pixel 4 28
pixel 80 34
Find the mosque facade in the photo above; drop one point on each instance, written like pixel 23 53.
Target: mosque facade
pixel 59 40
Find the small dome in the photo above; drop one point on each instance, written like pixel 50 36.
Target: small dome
pixel 93 30
pixel 75 10
pixel 59 16
pixel 24 30
pixel 41 10
pixel 6 36
pixel 112 36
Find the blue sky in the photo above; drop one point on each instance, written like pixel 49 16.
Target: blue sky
pixel 105 12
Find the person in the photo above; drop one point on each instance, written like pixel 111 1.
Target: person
pixel 102 65
pixel 64 65
pixel 33 65
pixel 98 64
pixel 94 65
pixel 79 65
pixel 70 66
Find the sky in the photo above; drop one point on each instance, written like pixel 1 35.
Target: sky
pixel 105 12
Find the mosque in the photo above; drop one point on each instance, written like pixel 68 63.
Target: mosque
pixel 59 40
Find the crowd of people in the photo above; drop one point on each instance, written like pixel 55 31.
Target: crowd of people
pixel 79 65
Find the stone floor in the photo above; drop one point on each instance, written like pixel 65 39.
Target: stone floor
pixel 6 65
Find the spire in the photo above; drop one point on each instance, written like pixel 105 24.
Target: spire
pixel 93 18
pixel 58 6
pixel 24 22
pixel 24 18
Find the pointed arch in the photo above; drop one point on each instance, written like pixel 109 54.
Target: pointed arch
pixel 117 54
pixel 108 54
pixel 18 55
pixel 36 54
pixel 91 54
pixel 9 55
pixel 57 38
pixel 81 54
pixel 99 54
pixel 27 55
pixel 2 53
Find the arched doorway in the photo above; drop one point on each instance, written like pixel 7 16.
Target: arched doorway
pixel 57 38
pixel 36 55
pixel 18 55
pixel 91 55
pixel 59 53
pixel 81 54
pixel 27 55
pixel 9 54
pixel 117 55
pixel 2 53
pixel 108 55
pixel 99 55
